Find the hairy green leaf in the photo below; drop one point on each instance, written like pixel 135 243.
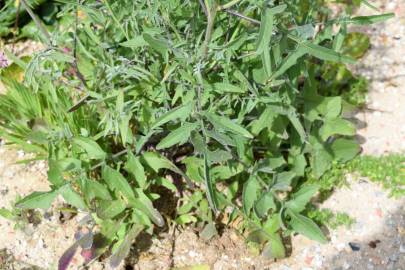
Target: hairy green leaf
pixel 134 166
pixel 274 249
pixel 365 20
pixel 179 112
pixel 307 227
pixel 326 54
pixel 91 147
pixel 117 182
pixel 266 30
pixel 337 126
pixel 301 198
pixel 222 122
pixel 209 185
pixel 123 250
pixel 249 193
pixel 177 136
pixel 37 199
pixel 110 209
pixel 72 197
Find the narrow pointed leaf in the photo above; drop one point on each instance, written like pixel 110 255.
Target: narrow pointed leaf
pixel 134 166
pixel 157 162
pixel 326 54
pixel 94 189
pixel 110 209
pixel 301 198
pixel 117 182
pixel 289 61
pixel 222 122
pixel 93 150
pixel 179 112
pixel 366 20
pixel 177 136
pixel 249 194
pixel 209 185
pixel 145 205
pixel 274 248
pixel 123 250
pixel 135 42
pixel 36 199
pixel 228 88
pixel 266 30
pixel 307 227
pixel 159 45
pixel 72 197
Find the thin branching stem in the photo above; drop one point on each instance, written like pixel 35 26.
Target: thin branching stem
pixel 116 19
pixel 237 14
pixel 203 7
pixel 75 34
pixel 17 17
pixel 116 155
pixel 38 22
pixel 211 14
pixel 229 4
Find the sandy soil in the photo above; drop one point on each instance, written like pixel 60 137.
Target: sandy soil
pixel 380 220
pixel 384 66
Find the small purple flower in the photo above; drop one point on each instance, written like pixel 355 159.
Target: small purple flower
pixel 3 60
pixel 66 50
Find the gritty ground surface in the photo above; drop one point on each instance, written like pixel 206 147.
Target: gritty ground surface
pixel 384 66
pixel 378 234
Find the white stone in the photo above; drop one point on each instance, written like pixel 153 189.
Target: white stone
pixel 402 248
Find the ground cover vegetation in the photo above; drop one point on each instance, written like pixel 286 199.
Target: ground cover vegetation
pixel 187 113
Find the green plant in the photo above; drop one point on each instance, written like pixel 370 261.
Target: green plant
pixel 21 217
pixel 337 80
pixel 388 170
pixel 214 106
pixel 334 177
pixel 331 219
pixel 14 19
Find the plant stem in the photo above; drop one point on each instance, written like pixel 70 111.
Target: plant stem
pixel 116 20
pixel 123 152
pixel 237 14
pixel 229 4
pixel 38 22
pixel 211 13
pixel 203 7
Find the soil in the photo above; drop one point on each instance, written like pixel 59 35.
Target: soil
pixel 375 241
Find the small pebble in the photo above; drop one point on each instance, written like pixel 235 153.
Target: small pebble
pixel 402 248
pixel 373 244
pixel 340 246
pixel 394 258
pixel 346 265
pixel 354 246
